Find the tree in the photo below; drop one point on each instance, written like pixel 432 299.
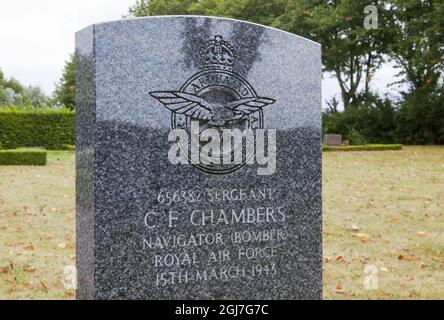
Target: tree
pixel 351 52
pixel 419 49
pixel 36 97
pixel 418 52
pixel 2 88
pixel 15 85
pixel 12 97
pixel 12 92
pixel 65 92
pixel 258 11
pixel 144 8
pixel 2 96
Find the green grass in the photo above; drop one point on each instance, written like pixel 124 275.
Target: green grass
pixel 37 228
pixel 394 198
pixel 367 147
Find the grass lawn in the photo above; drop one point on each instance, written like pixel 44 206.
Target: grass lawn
pixel 381 209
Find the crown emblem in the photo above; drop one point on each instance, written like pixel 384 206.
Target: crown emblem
pixel 218 54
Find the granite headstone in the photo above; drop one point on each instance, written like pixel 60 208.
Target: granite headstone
pixel 153 221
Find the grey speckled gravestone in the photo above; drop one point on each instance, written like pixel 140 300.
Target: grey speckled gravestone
pixel 205 229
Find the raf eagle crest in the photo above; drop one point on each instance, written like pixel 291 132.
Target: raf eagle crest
pixel 218 114
pixel 217 97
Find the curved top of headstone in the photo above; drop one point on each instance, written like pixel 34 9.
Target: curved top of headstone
pixel 162 51
pixel 200 17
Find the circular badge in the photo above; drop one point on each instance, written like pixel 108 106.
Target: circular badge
pixel 217 107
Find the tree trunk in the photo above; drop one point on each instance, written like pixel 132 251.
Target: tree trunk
pixel 367 76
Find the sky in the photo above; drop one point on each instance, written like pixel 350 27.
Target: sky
pixel 37 37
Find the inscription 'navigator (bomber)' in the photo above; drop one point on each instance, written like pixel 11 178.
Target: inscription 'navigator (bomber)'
pixel 218 99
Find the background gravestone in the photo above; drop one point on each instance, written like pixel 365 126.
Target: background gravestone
pixel 147 229
pixel 333 140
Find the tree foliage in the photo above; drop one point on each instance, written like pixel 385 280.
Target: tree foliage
pixel 418 27
pixel 13 93
pixel 144 8
pixel 351 52
pixel 65 92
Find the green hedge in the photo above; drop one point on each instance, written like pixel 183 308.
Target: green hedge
pixel 48 128
pixel 367 147
pixel 26 157
pixel 67 147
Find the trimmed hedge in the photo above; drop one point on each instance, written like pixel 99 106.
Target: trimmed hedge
pixel 367 147
pixel 48 128
pixel 67 147
pixel 25 157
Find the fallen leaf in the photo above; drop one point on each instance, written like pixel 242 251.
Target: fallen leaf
pixel 29 246
pixel 45 288
pixel 339 289
pixel 362 236
pixel 340 258
pixel 409 278
pixel 353 228
pixel 28 268
pixel 27 285
pixel 407 259
pixel 6 269
pixel 61 245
